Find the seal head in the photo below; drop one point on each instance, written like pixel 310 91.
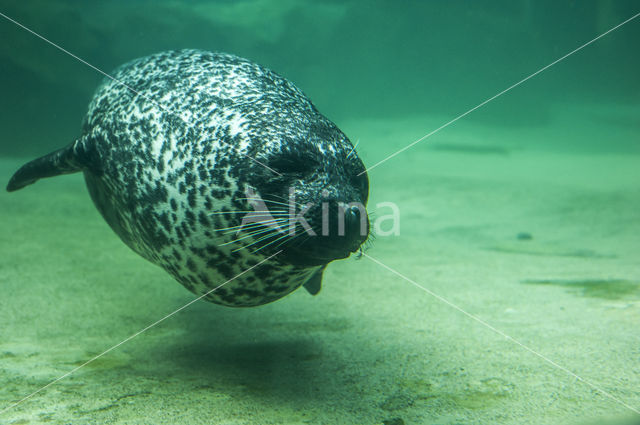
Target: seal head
pixel 317 174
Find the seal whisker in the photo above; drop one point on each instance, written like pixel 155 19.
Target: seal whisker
pixel 271 201
pixel 293 238
pixel 257 219
pixel 288 200
pixel 287 240
pixel 285 237
pixel 353 149
pixel 288 205
pixel 287 233
pixel 270 243
pixel 284 204
pixel 251 225
pixel 260 224
pixel 251 235
pixel 257 241
pixel 249 212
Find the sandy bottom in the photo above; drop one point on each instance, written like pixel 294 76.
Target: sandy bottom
pixel 371 348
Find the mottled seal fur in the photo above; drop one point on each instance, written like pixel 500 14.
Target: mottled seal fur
pixel 172 145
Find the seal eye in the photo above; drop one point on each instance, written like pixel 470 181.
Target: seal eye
pixel 293 165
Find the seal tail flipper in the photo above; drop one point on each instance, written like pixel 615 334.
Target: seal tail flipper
pixel 63 161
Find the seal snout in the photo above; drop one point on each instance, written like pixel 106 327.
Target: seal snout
pixel 337 229
pixel 348 228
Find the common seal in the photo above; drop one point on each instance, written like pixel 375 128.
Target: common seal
pixel 177 149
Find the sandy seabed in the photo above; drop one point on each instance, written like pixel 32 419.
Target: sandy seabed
pixel 541 244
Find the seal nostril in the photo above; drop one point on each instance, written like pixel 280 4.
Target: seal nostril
pixel 352 221
pixel 355 212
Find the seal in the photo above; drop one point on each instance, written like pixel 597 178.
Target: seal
pixel 221 172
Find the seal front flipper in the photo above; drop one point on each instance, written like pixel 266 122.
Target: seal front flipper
pixel 69 159
pixel 314 283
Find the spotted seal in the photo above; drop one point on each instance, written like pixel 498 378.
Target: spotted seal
pixel 177 148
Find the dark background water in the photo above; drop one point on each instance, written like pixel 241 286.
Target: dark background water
pixel 355 59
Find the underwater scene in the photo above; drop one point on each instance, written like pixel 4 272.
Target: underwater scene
pixel 320 212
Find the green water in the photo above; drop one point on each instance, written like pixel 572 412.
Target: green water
pixel 555 158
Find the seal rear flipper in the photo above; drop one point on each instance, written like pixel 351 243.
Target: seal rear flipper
pixel 63 161
pixel 314 283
